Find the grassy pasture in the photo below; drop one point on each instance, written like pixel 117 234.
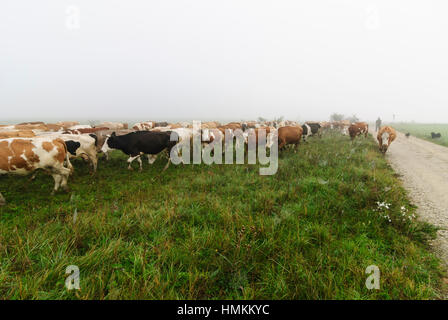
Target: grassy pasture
pixel 423 131
pixel 221 231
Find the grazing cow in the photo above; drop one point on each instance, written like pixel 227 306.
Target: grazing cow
pixel 358 128
pixel 289 135
pixel 80 126
pixel 67 124
pixel 85 130
pixel 113 125
pixel 161 124
pixel 16 134
pixel 34 127
pixel 310 129
pixel 32 122
pixel 25 155
pixel 175 125
pixel 210 125
pixel 54 127
pixel 78 145
pixel 325 125
pixel 407 135
pixel 385 137
pixel 435 135
pixel 138 143
pixel 143 126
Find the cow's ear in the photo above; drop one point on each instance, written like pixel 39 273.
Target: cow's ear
pixel 113 134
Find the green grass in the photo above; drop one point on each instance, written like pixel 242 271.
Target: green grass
pixel 222 231
pixel 423 131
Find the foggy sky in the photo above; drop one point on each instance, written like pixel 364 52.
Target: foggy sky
pixel 228 59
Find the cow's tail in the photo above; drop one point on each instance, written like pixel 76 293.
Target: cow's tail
pixel 67 157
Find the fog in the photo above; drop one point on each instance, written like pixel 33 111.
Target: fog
pixel 232 59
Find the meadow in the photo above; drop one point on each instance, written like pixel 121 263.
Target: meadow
pixel 423 131
pixel 221 231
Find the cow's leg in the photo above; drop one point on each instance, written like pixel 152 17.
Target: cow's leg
pixel 2 200
pixel 132 158
pixel 57 182
pixel 139 159
pixel 152 158
pixel 93 159
pixel 282 144
pixel 64 173
pixel 167 165
pixel 107 155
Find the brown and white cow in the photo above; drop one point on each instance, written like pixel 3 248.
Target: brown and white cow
pixel 23 156
pixel 16 134
pixel 113 125
pixel 385 137
pixel 67 124
pixel 143 126
pixel 78 146
pixel 357 129
pixel 85 130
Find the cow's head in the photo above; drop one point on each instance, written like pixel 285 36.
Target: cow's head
pixel 383 148
pixel 111 142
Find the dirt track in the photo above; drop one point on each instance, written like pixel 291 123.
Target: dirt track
pixel 424 169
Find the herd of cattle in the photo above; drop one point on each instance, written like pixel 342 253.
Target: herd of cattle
pixel 27 147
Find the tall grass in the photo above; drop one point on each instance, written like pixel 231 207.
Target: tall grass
pixel 221 231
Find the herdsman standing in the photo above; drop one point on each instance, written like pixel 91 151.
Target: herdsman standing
pixel 378 124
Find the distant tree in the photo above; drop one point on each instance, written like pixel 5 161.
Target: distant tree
pixel 337 117
pixel 353 118
pixel 261 119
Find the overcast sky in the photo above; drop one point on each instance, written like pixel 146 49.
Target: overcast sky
pixel 227 59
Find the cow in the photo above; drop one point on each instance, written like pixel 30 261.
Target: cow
pixel 23 156
pixel 209 125
pixel 357 129
pixel 34 127
pixel 102 135
pixel 325 125
pixel 17 134
pixel 79 145
pixel 32 122
pixel 80 126
pixel 161 124
pixel 113 125
pixel 138 143
pixel 143 126
pixel 435 135
pixel 67 124
pixel 310 129
pixel 385 137
pixel 53 127
pixel 289 135
pixel 85 130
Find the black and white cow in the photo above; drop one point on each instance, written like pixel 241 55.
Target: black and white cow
pixel 139 143
pixel 310 129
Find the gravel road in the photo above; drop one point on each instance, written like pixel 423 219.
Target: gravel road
pixel 423 167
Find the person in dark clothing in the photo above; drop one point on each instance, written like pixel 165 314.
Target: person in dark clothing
pixel 378 124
